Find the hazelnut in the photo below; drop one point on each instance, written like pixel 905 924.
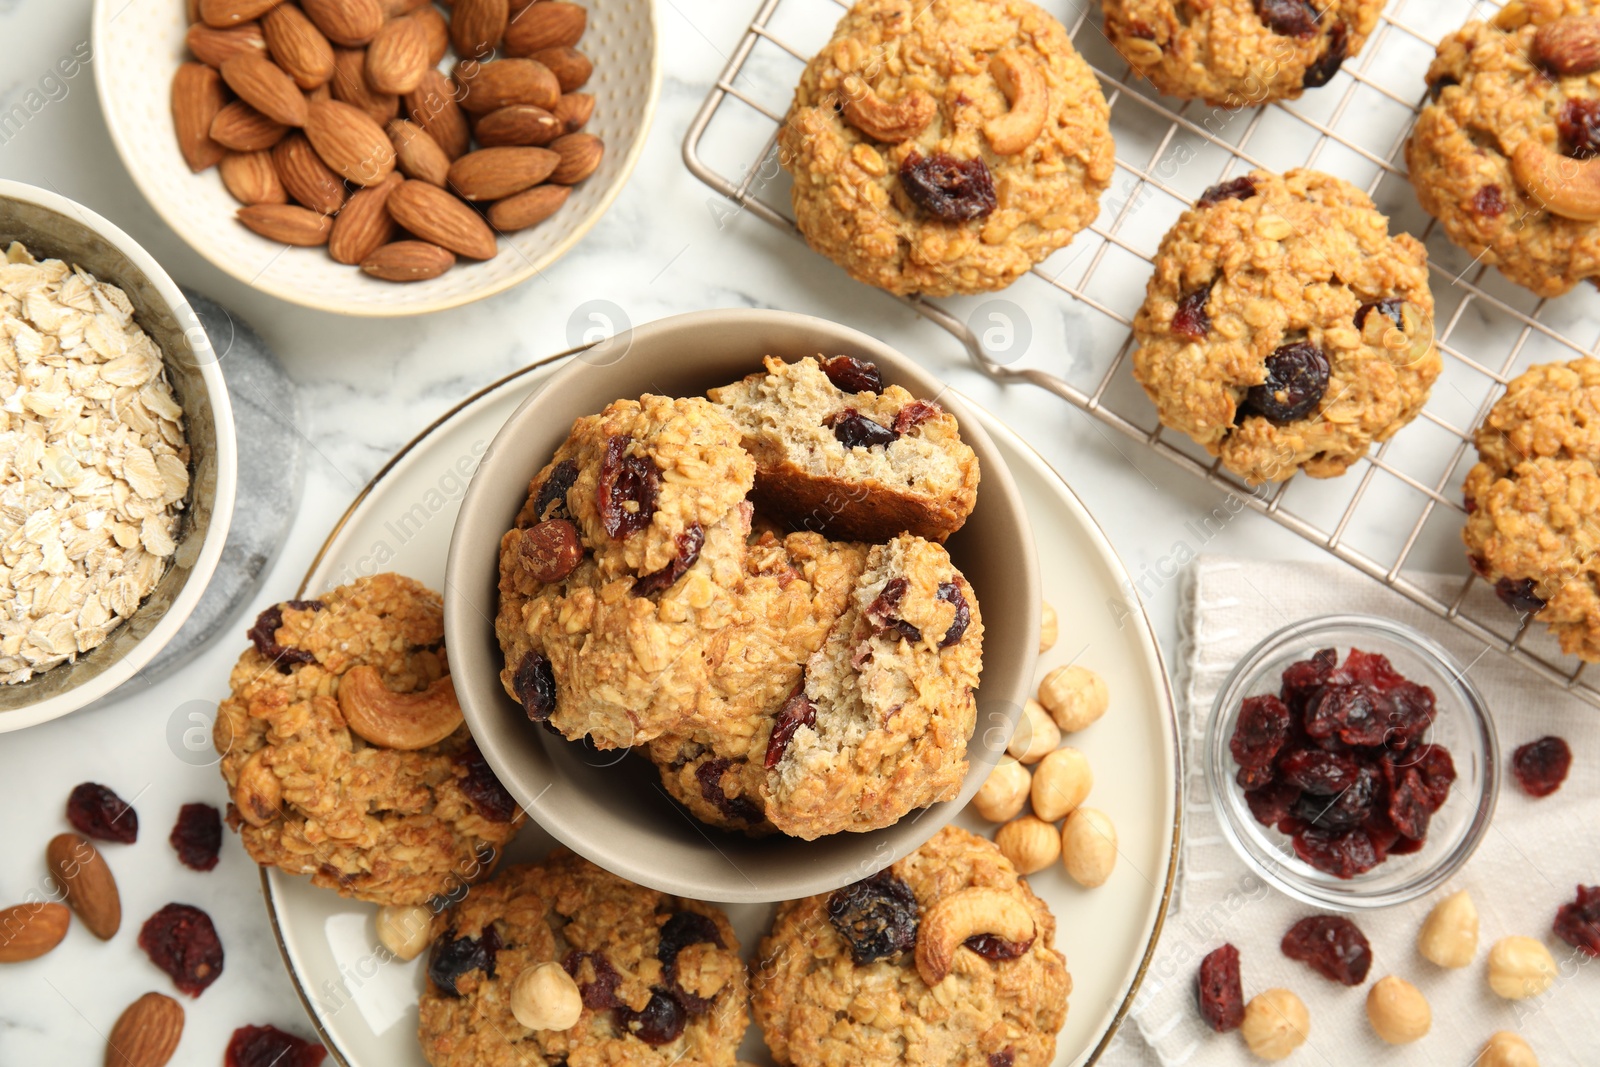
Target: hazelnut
pixel 1003 793
pixel 404 929
pixel 1398 1011
pixel 1036 734
pixel 1089 847
pixel 1049 626
pixel 544 997
pixel 1520 967
pixel 1060 783
pixel 1449 936
pixel 1074 696
pixel 1030 843
pixel 1275 1024
pixel 1506 1049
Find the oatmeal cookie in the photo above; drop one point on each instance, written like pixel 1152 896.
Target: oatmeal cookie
pixel 839 452
pixel 312 795
pixel 660 978
pixel 1533 501
pixel 1239 53
pixel 884 955
pixel 945 146
pixel 1497 156
pixel 1284 328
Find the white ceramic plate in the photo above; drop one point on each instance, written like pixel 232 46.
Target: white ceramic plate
pixel 138 44
pixel 365 1008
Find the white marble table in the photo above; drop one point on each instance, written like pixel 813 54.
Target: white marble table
pixel 368 387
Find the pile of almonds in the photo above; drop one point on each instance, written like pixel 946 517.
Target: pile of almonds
pixel 332 124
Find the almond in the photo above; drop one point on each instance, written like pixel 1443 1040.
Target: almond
pixel 350 86
pixel 528 208
pixel 244 129
pixel 298 46
pixel 552 24
pixel 146 1034
pixel 476 26
pixel 408 261
pixel 306 177
pixel 197 98
pixel 225 13
pixel 417 154
pixel 489 87
pixel 263 85
pixel 496 173
pixel 287 224
pixel 398 56
pixel 574 109
pixel 437 32
pixel 438 217
pixel 1569 46
pixel 433 106
pixel 580 156
pixel 364 225
pixel 350 142
pixel 346 22
pixel 81 871
pixel 28 931
pixel 252 179
pixel 519 124
pixel 393 9
pixel 214 47
pixel 571 67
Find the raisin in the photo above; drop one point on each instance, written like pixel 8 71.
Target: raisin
pixel 740 809
pixel 948 188
pixel 1290 18
pixel 883 611
pixel 197 836
pixel 1297 376
pixel 1490 201
pixel 1389 306
pixel 554 491
pixel 535 686
pixel 267 1046
pixel 1191 321
pixel 950 593
pixel 1333 946
pixel 1578 923
pixel 1518 595
pixel 689 543
pixel 997 949
pixel 1578 123
pixel 1327 65
pixel 95 811
pixel 1219 991
pixel 625 480
pixel 264 634
pixel 1302 679
pixel 1238 189
pixel 452 956
pixel 1318 772
pixel 1271 802
pixel 1343 854
pixel 1260 732
pixel 600 993
pixel 180 940
pixel 660 1022
pixel 796 712
pixel 877 916
pixel 1541 766
pixel 854 430
pixel 853 375
pixel 915 414
pixel 482 787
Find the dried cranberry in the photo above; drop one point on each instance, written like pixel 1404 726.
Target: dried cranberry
pixel 1541 766
pixel 1578 923
pixel 854 430
pixel 625 480
pixel 1578 123
pixel 264 634
pixel 683 929
pixel 267 1046
pixel 535 685
pixel 1297 376
pixel 948 188
pixel 915 414
pixel 452 956
pixel 95 811
pixel 197 836
pixel 884 609
pixel 1334 947
pixel 796 712
pixel 1291 18
pixel 660 1022
pixel 1372 668
pixel 1327 65
pixel 1004 1058
pixel 689 544
pixel 1271 802
pixel 1260 732
pixel 554 492
pixel 180 940
pixel 1389 307
pixel 853 375
pixel 1255 777
pixel 995 948
pixel 1437 769
pixel 877 916
pixel 1411 710
pixel 1490 201
pixel 1409 805
pixel 1302 679
pixel 1238 189
pixel 600 993
pixel 950 593
pixel 1219 991
pixel 1191 321
pixel 1315 771
pixel 1348 711
pixel 482 787
pixel 1350 808
pixel 740 809
pixel 1518 595
pixel 1343 854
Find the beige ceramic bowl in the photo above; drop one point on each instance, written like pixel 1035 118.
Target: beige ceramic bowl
pixel 611 808
pixel 53 227
pixel 138 44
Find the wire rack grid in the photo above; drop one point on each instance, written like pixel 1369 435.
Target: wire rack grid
pixel 1397 515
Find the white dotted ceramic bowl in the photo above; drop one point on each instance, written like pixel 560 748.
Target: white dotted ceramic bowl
pixel 138 44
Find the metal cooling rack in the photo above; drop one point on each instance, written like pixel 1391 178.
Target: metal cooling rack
pixel 1397 515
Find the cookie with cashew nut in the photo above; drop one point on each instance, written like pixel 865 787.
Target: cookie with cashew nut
pixel 945 146
pixel 947 951
pixel 345 754
pixel 562 962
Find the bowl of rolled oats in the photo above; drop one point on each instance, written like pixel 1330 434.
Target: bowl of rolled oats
pixel 117 461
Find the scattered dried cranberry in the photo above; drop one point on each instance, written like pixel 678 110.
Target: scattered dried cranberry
pixel 482 787
pixel 95 811
pixel 1578 923
pixel 1291 18
pixel 264 634
pixel 535 685
pixel 877 916
pixel 267 1046
pixel 740 809
pixel 1260 732
pixel 950 593
pixel 915 414
pixel 948 188
pixel 1297 376
pixel 796 712
pixel 995 948
pixel 554 491
pixel 1343 854
pixel 1327 65
pixel 1219 991
pixel 1334 947
pixel 452 956
pixel 1578 123
pixel 180 940
pixel 1390 307
pixel 689 544
pixel 660 1022
pixel 600 993
pixel 1238 189
pixel 197 836
pixel 1541 766
pixel 1191 321
pixel 625 480
pixel 1490 201
pixel 1271 801
pixel 854 430
pixel 1518 595
pixel 853 375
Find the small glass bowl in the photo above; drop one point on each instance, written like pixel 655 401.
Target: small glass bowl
pixel 1462 725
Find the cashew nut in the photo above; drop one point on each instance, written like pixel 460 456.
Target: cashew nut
pixel 404 721
pixel 882 121
pixel 1566 187
pixel 1024 85
pixel 978 910
pixel 259 794
pixel 544 997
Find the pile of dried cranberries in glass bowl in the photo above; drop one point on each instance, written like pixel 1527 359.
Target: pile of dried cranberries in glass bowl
pixel 1338 762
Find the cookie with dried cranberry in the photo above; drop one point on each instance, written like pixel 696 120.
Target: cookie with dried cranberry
pixel 1239 53
pixel 660 978
pixel 946 951
pixel 1500 153
pixel 945 146
pixel 344 750
pixel 1285 328
pixel 1533 501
